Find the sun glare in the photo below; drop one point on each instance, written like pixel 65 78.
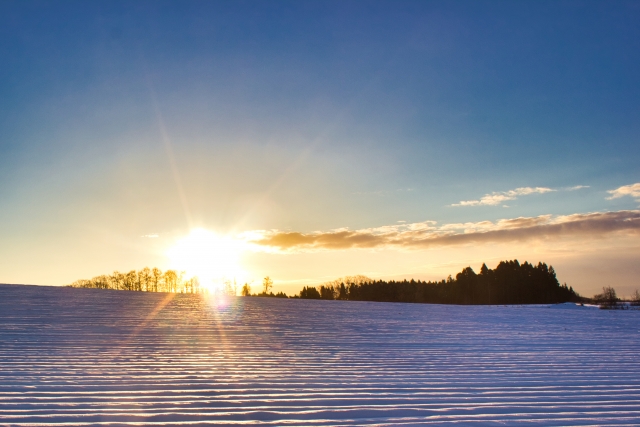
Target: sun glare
pixel 213 258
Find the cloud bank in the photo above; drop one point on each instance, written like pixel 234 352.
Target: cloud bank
pixel 428 234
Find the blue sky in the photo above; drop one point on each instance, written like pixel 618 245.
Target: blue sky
pixel 124 119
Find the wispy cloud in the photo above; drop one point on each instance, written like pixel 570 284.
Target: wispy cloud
pixel 576 187
pixel 631 190
pixel 151 236
pixel 497 197
pixel 428 234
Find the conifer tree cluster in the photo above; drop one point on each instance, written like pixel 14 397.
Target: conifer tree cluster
pixel 509 283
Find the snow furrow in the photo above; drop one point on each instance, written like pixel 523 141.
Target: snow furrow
pixel 89 357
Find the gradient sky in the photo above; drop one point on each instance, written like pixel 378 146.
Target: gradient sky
pixel 392 139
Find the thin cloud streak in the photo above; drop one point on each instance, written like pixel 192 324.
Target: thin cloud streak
pixel 498 197
pixel 577 187
pixel 427 234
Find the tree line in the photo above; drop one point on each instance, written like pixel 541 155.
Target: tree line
pixel 145 280
pixel 509 283
pixel 267 284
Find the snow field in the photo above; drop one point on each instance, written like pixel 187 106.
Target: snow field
pixel 91 357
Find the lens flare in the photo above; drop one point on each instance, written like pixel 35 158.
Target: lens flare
pixel 213 258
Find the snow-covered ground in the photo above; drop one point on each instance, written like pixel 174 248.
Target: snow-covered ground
pixel 90 357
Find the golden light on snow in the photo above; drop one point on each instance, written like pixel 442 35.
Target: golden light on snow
pixel 213 258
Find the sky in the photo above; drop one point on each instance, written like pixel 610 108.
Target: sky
pixel 312 140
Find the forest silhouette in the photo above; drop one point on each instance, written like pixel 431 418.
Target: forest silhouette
pixel 509 283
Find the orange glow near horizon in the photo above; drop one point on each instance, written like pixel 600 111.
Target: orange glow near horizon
pixel 209 256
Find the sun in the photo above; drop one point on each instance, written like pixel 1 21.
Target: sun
pixel 211 257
